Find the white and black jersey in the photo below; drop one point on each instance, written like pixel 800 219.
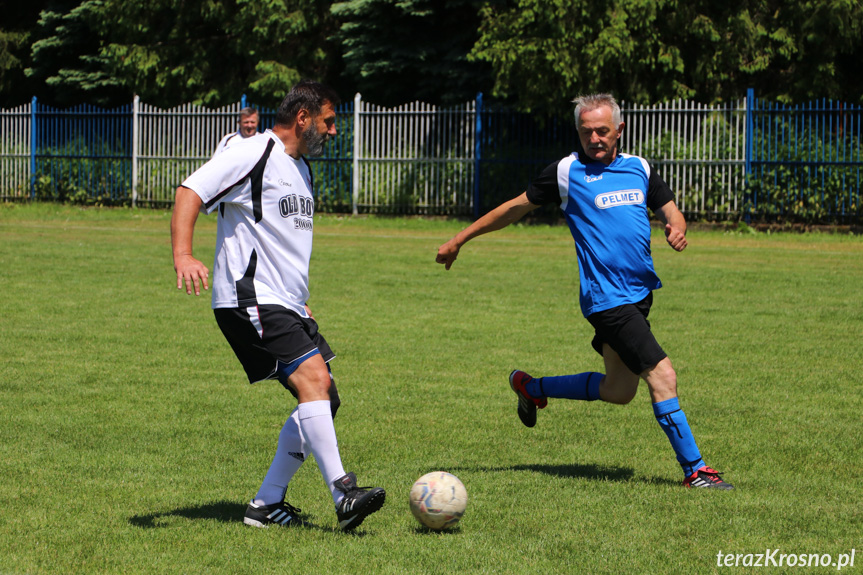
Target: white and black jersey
pixel 233 138
pixel 265 209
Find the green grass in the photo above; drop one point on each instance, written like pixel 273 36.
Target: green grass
pixel 130 442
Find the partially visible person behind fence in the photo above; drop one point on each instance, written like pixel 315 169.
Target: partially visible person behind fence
pixel 248 123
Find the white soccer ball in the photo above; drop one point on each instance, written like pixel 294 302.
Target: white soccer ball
pixel 438 500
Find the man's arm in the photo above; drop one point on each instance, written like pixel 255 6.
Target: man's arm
pixel 187 204
pixel 497 219
pixel 675 225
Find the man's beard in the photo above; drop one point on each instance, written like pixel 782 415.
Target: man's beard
pixel 314 140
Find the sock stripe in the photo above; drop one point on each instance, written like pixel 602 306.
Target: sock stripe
pixel 673 424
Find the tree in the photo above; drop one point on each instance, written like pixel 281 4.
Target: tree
pixel 68 62
pixel 536 53
pixel 789 51
pixel 13 52
pixel 16 36
pixel 397 52
pixel 175 51
pixel 827 51
pixel 544 52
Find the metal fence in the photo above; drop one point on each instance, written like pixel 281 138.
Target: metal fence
pixel 804 162
pixel 742 159
pixel 15 152
pixel 415 158
pixel 699 150
pixel 171 144
pixel 82 152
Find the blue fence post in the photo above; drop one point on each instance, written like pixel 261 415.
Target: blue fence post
pixel 750 128
pixel 477 156
pixel 243 103
pixel 33 148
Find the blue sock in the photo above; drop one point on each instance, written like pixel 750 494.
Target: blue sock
pixel 584 386
pixel 673 422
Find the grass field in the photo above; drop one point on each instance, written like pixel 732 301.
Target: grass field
pixel 130 442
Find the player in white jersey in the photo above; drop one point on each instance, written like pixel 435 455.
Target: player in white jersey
pixel 263 194
pixel 248 123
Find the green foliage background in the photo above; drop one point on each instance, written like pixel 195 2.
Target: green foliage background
pixel 545 51
pixel 535 54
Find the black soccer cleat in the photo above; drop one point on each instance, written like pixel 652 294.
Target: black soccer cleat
pixel 283 514
pixel 706 477
pixel 358 502
pixel 526 404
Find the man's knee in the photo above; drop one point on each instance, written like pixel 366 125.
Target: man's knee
pixel 662 379
pixel 311 379
pixel 618 391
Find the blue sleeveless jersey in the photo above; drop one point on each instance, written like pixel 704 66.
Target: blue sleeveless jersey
pixel 606 210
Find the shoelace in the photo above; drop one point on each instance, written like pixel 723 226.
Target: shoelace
pixel 711 475
pixel 291 509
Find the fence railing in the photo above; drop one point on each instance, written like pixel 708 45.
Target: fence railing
pixel 415 158
pixel 698 149
pixel 16 149
pixel 171 144
pixel 741 159
pixel 805 161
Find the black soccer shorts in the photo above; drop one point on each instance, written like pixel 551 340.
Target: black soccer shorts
pixel 626 329
pixel 265 336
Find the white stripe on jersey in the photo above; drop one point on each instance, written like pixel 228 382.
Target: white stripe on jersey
pixel 255 318
pixel 644 163
pixel 563 180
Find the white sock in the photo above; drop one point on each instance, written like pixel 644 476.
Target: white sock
pixel 290 454
pixel 316 423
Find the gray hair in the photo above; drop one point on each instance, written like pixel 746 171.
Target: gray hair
pixel 591 102
pixel 246 112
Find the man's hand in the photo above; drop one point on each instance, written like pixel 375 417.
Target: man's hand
pixel 189 270
pixel 447 253
pixel 675 238
pixel 675 225
pixel 193 273
pixel 498 218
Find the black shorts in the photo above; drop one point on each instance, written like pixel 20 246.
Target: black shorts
pixel 265 335
pixel 626 329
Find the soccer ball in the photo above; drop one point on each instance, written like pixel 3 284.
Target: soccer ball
pixel 438 500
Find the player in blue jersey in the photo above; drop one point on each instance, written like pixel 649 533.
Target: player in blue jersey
pixel 604 195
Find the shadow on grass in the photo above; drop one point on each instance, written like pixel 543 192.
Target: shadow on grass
pixel 583 471
pixel 421 530
pixel 224 511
